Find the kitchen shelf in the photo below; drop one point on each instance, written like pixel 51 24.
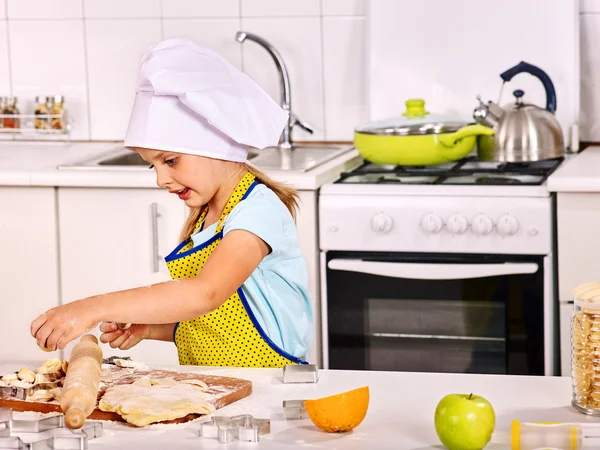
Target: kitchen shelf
pixel 27 122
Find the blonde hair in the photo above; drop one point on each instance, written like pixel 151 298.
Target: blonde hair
pixel 287 194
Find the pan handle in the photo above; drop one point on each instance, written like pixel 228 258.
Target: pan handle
pixel 451 139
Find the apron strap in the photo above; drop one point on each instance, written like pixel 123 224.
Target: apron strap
pixel 239 193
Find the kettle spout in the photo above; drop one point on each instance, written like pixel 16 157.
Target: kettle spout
pixel 488 115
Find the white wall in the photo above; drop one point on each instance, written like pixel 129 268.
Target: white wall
pixel 88 50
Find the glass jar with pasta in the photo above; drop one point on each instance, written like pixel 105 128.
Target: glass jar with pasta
pixel 585 349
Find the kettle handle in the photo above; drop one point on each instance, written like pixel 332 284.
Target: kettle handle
pixel 539 74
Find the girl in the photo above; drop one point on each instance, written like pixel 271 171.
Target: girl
pixel 239 294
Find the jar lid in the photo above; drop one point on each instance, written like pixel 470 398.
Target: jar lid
pixel 587 295
pixel 414 121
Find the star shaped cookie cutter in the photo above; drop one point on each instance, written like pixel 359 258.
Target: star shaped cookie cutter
pixel 56 435
pixel 237 428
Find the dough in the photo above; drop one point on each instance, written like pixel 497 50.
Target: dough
pixel 126 363
pixel 155 400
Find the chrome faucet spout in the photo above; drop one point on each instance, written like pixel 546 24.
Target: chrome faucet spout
pixel 284 81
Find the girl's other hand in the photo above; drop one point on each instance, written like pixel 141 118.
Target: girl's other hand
pixel 123 339
pixel 58 326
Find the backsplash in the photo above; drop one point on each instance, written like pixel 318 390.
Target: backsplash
pixel 88 51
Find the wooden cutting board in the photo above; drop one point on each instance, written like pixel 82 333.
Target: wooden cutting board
pixel 226 390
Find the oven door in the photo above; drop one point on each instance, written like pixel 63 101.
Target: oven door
pixel 425 313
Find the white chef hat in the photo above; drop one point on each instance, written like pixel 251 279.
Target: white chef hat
pixel 190 99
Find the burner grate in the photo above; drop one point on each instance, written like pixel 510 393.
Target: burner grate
pixel 468 171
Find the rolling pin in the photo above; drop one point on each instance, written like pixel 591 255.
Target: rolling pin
pixel 80 389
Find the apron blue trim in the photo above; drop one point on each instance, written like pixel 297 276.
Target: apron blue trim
pixel 175 255
pixel 175 332
pixel 250 188
pixel 266 338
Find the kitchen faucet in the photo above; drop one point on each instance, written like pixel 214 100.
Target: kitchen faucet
pixel 284 83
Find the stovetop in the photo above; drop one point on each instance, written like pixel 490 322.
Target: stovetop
pixel 468 171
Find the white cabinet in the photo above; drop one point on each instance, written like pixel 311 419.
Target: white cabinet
pixel 113 239
pixel 566 312
pixel 578 229
pixel 578 226
pixel 28 266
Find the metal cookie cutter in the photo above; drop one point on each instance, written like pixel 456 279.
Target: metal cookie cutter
pixel 300 373
pixel 294 409
pixel 60 438
pixel 20 393
pixel 240 428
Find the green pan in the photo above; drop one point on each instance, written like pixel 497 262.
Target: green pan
pixel 417 139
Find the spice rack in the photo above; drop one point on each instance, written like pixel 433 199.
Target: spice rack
pixel 49 118
pixel 27 123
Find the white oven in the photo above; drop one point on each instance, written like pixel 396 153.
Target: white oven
pixel 438 283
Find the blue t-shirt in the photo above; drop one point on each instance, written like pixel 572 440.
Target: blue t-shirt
pixel 277 290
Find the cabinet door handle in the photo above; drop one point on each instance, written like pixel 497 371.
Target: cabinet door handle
pixel 154 223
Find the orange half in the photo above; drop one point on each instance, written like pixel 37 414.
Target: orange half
pixel 340 412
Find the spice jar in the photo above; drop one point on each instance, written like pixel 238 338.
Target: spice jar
pixel 58 109
pixel 42 109
pixel 10 108
pixel 585 349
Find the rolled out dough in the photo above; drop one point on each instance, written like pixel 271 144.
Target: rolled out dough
pixel 148 401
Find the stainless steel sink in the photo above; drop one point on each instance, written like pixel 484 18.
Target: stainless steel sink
pixel 300 158
pixel 126 159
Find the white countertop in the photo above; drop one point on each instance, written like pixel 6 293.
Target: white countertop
pixel 35 164
pixel 400 414
pixel 579 173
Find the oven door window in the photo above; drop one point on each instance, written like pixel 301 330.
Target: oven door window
pixel 471 315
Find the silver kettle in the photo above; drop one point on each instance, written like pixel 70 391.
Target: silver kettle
pixel 523 132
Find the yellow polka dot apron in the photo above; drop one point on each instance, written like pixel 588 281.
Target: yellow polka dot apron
pixel 230 335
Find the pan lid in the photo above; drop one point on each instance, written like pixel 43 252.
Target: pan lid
pixel 415 121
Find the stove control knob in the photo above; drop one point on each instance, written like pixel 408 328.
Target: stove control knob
pixel 382 223
pixel 432 223
pixel 507 225
pixel 482 225
pixel 457 224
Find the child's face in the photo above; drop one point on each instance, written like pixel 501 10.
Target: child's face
pixel 194 179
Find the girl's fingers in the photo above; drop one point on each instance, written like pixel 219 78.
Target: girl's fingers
pixel 129 342
pixel 53 338
pixel 120 340
pixel 41 336
pixel 110 336
pixel 37 324
pixel 107 327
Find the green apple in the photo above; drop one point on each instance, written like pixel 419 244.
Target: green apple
pixel 464 421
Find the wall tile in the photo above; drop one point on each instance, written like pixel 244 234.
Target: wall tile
pixel 2 9
pixel 112 60
pixel 5 88
pixel 283 8
pixel 589 6
pixel 119 9
pixel 298 40
pixel 4 61
pixel 44 9
pixel 218 34
pixel 344 76
pixel 36 72
pixel 200 8
pixel 344 7
pixel 590 78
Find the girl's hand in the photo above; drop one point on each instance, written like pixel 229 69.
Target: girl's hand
pixel 58 326
pixel 123 339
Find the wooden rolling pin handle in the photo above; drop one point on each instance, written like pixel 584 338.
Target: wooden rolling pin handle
pixel 80 391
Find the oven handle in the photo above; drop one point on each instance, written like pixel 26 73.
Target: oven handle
pixel 423 271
